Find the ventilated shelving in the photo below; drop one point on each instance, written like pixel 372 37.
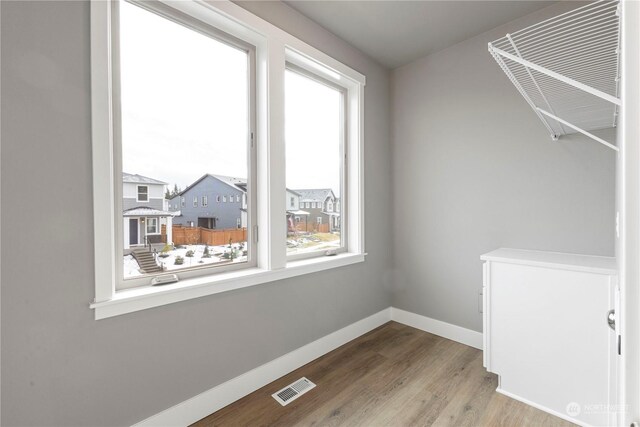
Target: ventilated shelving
pixel 567 68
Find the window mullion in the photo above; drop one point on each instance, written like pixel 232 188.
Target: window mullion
pixel 271 161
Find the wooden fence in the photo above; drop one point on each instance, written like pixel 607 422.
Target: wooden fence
pixel 312 227
pixel 198 235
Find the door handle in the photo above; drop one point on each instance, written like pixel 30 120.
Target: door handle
pixel 611 319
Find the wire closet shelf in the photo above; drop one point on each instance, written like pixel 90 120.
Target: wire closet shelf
pixel 567 68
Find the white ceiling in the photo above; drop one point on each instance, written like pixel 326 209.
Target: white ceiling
pixel 398 32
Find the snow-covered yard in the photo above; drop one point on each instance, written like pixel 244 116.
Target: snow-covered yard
pixel 131 268
pixel 304 242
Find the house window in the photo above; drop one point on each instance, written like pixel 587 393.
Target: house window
pixel 218 199
pixel 237 198
pixel 314 123
pixel 297 219
pixel 238 223
pixel 292 202
pixel 152 225
pixel 151 121
pixel 224 199
pixel 205 200
pixel 143 193
pixel 329 207
pixel 195 201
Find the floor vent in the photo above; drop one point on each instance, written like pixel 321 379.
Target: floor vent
pixel 293 391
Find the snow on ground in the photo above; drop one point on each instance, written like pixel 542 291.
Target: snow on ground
pixel 131 268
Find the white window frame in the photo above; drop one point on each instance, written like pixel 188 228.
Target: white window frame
pixel 319 220
pixel 183 202
pixel 218 198
pixel 237 198
pixel 155 220
pixel 138 199
pixel 238 222
pixel 274 49
pixel 205 201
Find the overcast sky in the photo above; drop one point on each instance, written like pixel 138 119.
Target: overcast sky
pixel 178 132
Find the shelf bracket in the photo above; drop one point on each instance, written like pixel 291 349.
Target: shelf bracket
pixel 576 128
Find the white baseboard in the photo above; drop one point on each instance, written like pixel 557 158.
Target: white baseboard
pixel 542 408
pixel 437 327
pixel 214 399
pixel 206 403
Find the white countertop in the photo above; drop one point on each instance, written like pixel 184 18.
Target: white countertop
pixel 576 262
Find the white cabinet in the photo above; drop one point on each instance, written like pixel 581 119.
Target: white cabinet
pixel 546 332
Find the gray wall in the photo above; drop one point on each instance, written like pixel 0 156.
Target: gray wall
pixel 61 367
pixel 475 170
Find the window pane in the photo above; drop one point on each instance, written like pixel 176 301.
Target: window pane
pixel 313 135
pixel 184 124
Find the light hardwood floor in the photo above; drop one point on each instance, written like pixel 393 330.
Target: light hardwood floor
pixel 393 376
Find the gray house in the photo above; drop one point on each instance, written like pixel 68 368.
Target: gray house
pixel 213 201
pixel 143 210
pixel 322 205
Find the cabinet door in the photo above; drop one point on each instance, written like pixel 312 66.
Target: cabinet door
pixel 550 341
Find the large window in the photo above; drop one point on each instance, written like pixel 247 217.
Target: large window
pixel 185 113
pixel 314 140
pixel 193 98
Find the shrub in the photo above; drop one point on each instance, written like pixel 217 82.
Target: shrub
pixel 179 260
pixel 206 253
pixel 189 253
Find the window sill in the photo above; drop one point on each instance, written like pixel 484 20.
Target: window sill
pixel 138 299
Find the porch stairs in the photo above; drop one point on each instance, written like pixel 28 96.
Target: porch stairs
pixel 146 261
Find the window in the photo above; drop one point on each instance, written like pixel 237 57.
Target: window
pixel 218 199
pixel 205 201
pixel 152 225
pixel 224 199
pixel 143 193
pixel 237 198
pixel 292 202
pixel 238 223
pixel 297 219
pixel 176 96
pixel 315 123
pixel 329 207
pixel 195 201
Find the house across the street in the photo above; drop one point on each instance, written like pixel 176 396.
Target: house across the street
pixel 322 205
pixel 143 210
pixel 212 201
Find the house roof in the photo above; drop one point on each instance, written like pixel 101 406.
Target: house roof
pixel 233 182
pixel 314 195
pixel 139 179
pixel 144 211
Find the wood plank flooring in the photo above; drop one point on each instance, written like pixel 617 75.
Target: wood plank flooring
pixel 393 376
